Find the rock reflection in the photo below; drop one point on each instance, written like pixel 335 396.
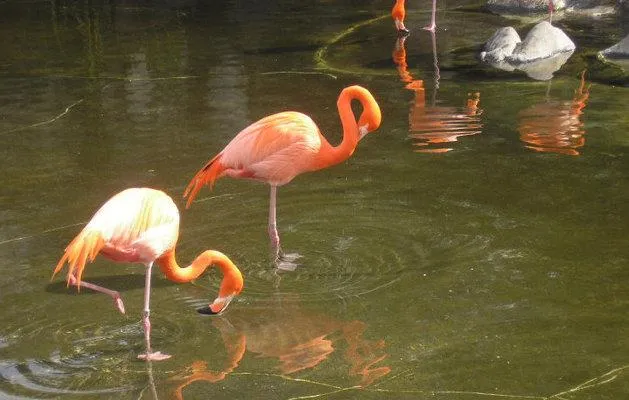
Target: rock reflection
pixel 555 126
pixel 434 128
pixel 295 337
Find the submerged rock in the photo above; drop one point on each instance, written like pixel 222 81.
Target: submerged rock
pixel 618 53
pixel 619 50
pixel 521 7
pixel 543 69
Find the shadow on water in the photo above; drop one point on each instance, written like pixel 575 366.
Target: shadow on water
pixel 121 283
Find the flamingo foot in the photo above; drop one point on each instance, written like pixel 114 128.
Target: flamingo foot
pixel 286 261
pixel 155 356
pixel 430 28
pixel 119 304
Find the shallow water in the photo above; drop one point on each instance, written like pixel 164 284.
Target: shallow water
pixel 474 247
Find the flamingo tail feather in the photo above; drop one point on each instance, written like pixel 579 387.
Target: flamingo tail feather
pixel 206 176
pixel 82 249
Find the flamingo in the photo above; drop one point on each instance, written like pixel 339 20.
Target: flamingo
pixel 399 12
pixel 142 225
pixel 281 146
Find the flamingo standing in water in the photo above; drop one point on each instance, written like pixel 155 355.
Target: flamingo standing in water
pixel 142 225
pixel 399 13
pixel 281 146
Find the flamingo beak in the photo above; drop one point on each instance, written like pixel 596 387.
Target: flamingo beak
pixel 217 307
pixel 362 131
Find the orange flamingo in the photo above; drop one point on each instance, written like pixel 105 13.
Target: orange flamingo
pixel 399 13
pixel 281 146
pixel 142 225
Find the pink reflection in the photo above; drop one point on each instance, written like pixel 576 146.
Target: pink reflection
pixel 434 128
pixel 297 339
pixel 555 126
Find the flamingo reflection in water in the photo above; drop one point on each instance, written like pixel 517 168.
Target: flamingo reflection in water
pixel 432 128
pixel 296 338
pixel 555 126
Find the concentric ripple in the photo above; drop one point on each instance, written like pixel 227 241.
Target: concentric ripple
pixel 84 355
pixel 349 246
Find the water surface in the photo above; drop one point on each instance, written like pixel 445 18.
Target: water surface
pixel 475 247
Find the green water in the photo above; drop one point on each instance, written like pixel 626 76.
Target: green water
pixel 449 257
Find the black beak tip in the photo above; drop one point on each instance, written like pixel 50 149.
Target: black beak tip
pixel 403 32
pixel 206 311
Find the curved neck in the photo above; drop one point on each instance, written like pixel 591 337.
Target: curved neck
pixel 331 155
pixel 232 278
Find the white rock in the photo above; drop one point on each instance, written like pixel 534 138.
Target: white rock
pixel 543 41
pixel 500 45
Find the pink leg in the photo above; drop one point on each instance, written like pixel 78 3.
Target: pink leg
pixel 273 234
pixel 149 356
pixel 111 293
pixel 433 23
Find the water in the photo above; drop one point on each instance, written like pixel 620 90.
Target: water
pixel 474 247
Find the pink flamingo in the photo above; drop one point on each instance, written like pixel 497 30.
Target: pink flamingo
pixel 142 225
pixel 281 146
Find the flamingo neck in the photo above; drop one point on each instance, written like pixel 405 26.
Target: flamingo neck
pixel 398 10
pixel 232 278
pixel 332 155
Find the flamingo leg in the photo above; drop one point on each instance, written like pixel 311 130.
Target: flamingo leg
pixel 149 356
pixel 401 28
pixel 433 23
pixel 282 260
pixel 111 293
pixel 273 234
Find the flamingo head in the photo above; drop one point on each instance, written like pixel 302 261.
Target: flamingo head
pixel 231 286
pixel 370 118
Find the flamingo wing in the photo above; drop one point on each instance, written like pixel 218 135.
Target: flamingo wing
pixel 135 225
pixel 274 149
pixel 139 221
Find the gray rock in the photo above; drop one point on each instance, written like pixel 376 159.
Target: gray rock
pixel 500 45
pixel 524 5
pixel 543 41
pixel 619 50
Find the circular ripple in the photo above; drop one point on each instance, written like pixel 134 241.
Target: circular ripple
pixel 349 246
